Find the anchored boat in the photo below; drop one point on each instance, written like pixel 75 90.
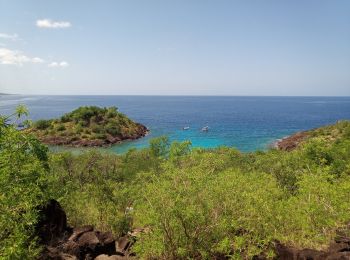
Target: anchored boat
pixel 205 129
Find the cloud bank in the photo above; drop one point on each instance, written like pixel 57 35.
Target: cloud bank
pixel 49 24
pixel 12 37
pixel 14 57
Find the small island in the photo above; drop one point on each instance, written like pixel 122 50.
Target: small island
pixel 88 126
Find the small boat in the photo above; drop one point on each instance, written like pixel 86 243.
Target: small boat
pixel 185 128
pixel 205 129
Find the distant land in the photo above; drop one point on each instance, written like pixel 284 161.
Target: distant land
pixel 88 126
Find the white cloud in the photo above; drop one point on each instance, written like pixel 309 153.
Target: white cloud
pixel 64 64
pixel 61 64
pixel 53 64
pixel 12 37
pixel 37 60
pixel 47 23
pixel 14 57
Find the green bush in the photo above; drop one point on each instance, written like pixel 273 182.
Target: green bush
pixel 61 128
pixel 113 129
pixel 23 187
pixel 42 124
pixel 97 129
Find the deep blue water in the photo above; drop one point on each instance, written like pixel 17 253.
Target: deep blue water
pixel 247 123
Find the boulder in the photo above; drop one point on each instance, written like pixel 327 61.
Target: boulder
pixel 52 224
pixel 87 243
pixel 80 230
pixel 62 242
pixel 123 244
pixel 55 253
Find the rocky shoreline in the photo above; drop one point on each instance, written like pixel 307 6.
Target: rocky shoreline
pixel 88 126
pixel 110 140
pixel 291 142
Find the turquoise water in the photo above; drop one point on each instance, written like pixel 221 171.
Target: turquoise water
pixel 247 123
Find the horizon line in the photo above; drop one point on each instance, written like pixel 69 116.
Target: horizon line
pixel 169 95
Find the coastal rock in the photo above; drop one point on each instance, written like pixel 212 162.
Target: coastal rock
pixel 291 142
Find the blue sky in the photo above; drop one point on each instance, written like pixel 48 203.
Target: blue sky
pixel 182 47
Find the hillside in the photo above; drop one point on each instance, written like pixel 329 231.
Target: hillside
pixel 172 201
pixel 329 132
pixel 88 126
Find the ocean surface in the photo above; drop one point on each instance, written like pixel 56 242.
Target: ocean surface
pixel 247 123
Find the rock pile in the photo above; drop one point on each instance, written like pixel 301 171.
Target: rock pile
pixel 62 242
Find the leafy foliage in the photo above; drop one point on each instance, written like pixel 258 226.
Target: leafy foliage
pixel 206 203
pixel 195 203
pixel 23 187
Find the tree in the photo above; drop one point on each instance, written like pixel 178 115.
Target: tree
pixel 23 180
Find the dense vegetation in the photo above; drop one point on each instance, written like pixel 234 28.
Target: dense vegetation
pixel 196 203
pixel 23 187
pixel 88 126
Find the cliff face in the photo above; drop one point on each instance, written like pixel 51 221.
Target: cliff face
pixel 88 126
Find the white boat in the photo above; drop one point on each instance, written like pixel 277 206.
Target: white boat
pixel 205 129
pixel 185 128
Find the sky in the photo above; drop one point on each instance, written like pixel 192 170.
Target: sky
pixel 179 47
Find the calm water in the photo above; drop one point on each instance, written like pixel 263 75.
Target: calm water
pixel 248 123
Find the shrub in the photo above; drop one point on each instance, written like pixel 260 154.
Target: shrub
pixel 159 147
pixel 23 187
pixel 97 129
pixel 42 124
pixel 192 213
pixel 61 128
pixel 113 129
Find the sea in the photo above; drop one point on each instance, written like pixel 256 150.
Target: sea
pixel 247 123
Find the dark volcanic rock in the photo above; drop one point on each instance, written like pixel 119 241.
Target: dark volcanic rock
pixel 62 242
pixel 80 230
pixel 336 250
pixel 52 225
